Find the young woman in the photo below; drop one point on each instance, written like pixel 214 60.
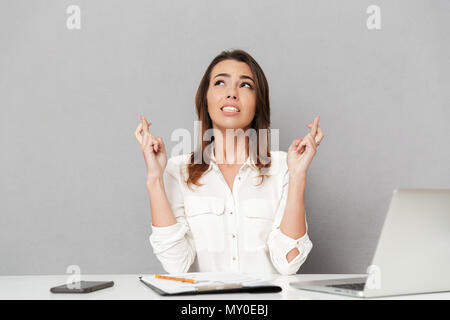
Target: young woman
pixel 212 214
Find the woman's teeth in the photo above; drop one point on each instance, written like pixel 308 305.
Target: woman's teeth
pixel 230 109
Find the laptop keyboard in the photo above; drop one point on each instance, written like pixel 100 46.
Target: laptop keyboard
pixel 351 286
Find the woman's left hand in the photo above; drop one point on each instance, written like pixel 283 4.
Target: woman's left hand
pixel 302 151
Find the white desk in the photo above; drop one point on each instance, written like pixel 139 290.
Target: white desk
pixel 129 287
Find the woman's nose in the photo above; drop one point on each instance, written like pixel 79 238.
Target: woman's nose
pixel 232 92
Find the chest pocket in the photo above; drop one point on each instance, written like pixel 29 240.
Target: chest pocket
pixel 205 216
pixel 259 217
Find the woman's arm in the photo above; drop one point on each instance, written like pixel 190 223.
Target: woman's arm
pixel 155 156
pixel 293 222
pixel 162 215
pixel 171 239
pixel 300 155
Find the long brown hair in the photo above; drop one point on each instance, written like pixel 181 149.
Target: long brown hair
pixel 260 121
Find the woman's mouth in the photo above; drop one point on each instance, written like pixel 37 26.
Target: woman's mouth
pixel 230 110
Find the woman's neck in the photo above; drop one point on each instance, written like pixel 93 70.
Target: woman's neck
pixel 230 150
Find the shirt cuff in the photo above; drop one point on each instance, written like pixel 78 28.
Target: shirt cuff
pixel 164 238
pixel 168 230
pixel 286 244
pixel 280 244
pixel 291 243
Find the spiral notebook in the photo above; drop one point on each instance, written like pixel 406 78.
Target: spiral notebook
pixel 207 283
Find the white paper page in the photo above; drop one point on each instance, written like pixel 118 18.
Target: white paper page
pixel 204 278
pixel 169 286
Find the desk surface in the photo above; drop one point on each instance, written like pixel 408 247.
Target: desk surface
pixel 128 286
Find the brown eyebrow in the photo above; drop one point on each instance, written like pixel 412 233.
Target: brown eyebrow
pixel 227 75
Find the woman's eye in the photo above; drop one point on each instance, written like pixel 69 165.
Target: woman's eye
pixel 244 83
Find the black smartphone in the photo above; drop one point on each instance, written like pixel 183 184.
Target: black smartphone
pixel 82 287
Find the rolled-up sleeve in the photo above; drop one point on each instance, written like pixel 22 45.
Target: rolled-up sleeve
pixel 173 245
pixel 280 244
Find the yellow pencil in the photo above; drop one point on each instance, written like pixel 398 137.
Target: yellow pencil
pixel 158 276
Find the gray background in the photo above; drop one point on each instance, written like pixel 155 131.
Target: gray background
pixel 72 177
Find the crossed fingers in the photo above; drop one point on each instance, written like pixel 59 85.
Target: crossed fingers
pixel 144 137
pixel 316 132
pixel 313 138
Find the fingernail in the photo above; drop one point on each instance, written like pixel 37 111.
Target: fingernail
pixel 318 118
pixel 140 116
pixel 309 125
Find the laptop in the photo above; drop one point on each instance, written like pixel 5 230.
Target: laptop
pixel 413 251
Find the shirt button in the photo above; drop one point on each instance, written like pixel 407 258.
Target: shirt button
pixel 231 212
pixel 234 258
pixel 234 236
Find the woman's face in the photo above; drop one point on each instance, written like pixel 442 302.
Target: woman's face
pixel 231 84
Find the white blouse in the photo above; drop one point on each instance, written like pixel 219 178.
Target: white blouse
pixel 225 230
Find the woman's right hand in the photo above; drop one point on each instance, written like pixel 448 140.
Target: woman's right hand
pixel 153 149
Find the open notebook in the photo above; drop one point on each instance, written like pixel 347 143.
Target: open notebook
pixel 208 282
